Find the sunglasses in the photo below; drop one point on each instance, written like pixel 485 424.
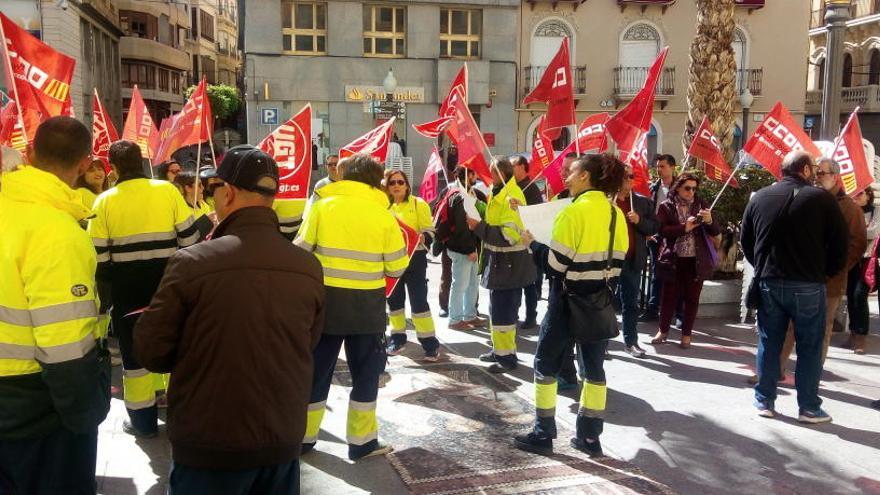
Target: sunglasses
pixel 212 188
pixel 689 188
pixel 397 182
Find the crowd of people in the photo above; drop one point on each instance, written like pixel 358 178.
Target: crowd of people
pixel 186 271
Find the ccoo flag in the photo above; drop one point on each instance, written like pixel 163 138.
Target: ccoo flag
pixel 291 147
pixel 849 153
pixel 706 147
pixel 777 136
pixel 139 126
pixel 556 89
pixel 542 150
pixel 103 132
pixel 627 125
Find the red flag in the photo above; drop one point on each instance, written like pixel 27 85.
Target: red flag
pixel 634 119
pixel 139 127
pixel 434 128
pixel 191 126
pixel 849 152
pixel 705 147
pixel 542 150
pixel 777 136
pixel 40 76
pixel 411 238
pixel 291 147
pixel 11 129
pixel 103 132
pixel 428 190
pixel 638 160
pixel 556 89
pixel 472 149
pixel 373 143
pixel 591 138
pixel 459 89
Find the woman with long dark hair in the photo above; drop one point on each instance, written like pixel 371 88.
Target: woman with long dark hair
pixel 686 254
pixel 576 262
pixel 414 212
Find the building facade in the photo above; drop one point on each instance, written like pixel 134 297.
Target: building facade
pixel 861 67
pixel 154 56
pixel 336 55
pixel 613 42
pixel 87 30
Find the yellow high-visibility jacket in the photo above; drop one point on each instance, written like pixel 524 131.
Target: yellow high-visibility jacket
pixel 507 262
pixel 290 215
pixel 416 214
pixel 137 226
pixel 88 197
pixel 579 248
pixel 358 242
pixel 49 372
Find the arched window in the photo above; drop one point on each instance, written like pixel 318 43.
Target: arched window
pixel 847 70
pixel 639 46
pixel 874 71
pixel 546 41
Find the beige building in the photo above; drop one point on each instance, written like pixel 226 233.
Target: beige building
pixel 861 67
pixel 154 55
pixel 615 41
pixel 213 41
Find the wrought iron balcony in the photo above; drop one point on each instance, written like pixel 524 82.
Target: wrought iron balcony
pixel 532 76
pixel 629 80
pixel 750 78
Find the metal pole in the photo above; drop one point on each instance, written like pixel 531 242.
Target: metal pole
pixel 836 14
pixel 745 128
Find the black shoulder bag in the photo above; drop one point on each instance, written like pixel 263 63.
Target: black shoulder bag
pixel 591 316
pixel 753 296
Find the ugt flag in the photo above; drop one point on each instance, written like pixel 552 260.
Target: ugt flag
pixel 777 136
pixel 192 125
pixel 472 148
pixel 459 89
pixel 291 147
pixel 706 147
pixel 374 143
pixel 429 189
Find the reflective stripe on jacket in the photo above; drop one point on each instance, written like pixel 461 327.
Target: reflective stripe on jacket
pixel 506 263
pixel 579 247
pixel 290 215
pixel 354 236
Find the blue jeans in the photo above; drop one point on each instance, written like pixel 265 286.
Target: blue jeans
pixel 281 479
pixel 804 304
pixel 628 290
pixel 463 290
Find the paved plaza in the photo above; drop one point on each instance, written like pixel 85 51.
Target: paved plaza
pixel 683 419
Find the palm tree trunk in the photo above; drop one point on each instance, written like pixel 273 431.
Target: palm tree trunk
pixel 712 73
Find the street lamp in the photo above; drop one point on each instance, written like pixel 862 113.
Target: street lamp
pixel 837 12
pixel 389 85
pixel 745 100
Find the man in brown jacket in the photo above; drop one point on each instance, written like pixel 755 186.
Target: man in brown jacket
pixel 828 178
pixel 235 320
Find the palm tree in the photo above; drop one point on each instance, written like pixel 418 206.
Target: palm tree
pixel 712 73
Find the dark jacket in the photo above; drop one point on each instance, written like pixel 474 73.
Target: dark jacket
pixel 235 321
pixel 810 243
pixel 648 226
pixel 671 229
pixel 531 191
pixel 461 240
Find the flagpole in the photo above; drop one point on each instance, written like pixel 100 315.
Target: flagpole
pixel 577 143
pixel 729 178
pixel 14 84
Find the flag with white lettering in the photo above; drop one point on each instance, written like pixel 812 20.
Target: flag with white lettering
pixel 542 150
pixel 429 189
pixel 103 132
pixel 706 147
pixel 459 89
pixel 777 136
pixel 591 138
pixel 291 147
pixel 556 89
pixel 373 143
pixel 849 153
pixel 139 127
pixel 192 125
pixel 40 79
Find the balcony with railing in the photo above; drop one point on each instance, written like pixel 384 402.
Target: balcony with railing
pixel 629 80
pixel 532 76
pixel 867 97
pixel 750 78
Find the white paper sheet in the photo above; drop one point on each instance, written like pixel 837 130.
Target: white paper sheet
pixel 538 219
pixel 470 207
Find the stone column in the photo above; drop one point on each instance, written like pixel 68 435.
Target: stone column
pixel 836 14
